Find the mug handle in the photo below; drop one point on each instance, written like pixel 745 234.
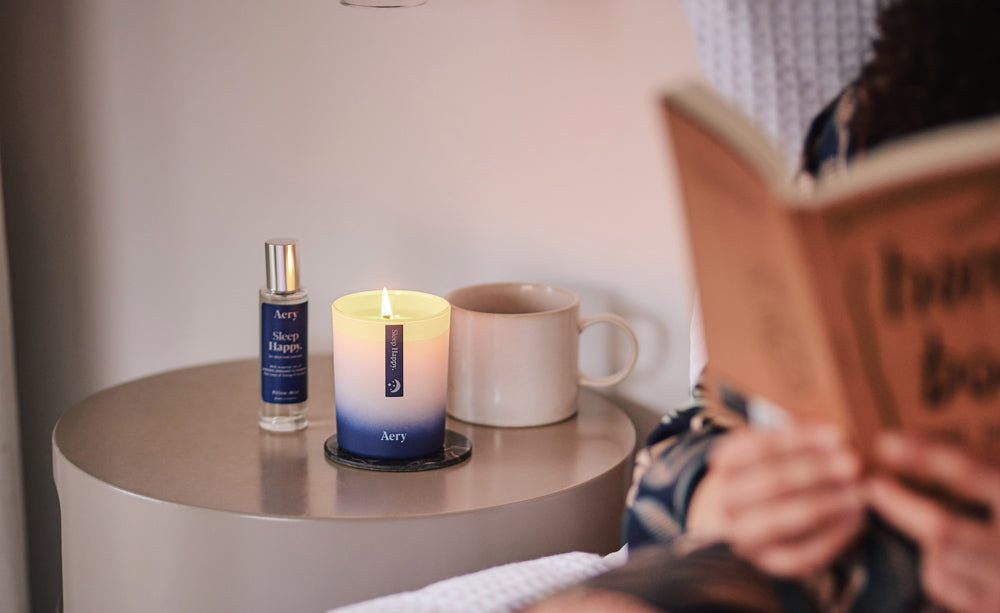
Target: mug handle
pixel 609 318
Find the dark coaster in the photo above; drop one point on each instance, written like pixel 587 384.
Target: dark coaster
pixel 457 448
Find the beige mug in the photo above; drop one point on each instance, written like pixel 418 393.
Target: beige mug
pixel 513 354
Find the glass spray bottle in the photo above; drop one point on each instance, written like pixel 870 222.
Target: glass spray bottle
pixel 284 349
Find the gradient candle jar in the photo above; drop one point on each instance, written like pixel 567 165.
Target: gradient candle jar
pixel 390 372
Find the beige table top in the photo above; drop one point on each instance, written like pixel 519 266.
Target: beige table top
pixel 190 437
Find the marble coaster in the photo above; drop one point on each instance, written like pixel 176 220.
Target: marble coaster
pixel 457 448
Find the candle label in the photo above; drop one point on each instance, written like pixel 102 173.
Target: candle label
pixel 283 352
pixel 394 361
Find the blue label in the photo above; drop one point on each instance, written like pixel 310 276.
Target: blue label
pixel 394 361
pixel 400 441
pixel 284 352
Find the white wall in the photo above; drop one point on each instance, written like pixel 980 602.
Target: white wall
pixel 151 147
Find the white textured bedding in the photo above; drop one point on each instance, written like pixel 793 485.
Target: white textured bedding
pixel 495 590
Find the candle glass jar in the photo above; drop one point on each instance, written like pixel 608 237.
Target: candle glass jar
pixel 390 373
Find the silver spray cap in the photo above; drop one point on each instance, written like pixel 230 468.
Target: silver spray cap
pixel 282 264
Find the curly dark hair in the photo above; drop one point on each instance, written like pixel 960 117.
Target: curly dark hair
pixel 934 62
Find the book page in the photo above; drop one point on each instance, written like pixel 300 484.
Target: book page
pixel 910 159
pixel 702 104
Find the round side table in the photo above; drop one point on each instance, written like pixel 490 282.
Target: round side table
pixel 172 499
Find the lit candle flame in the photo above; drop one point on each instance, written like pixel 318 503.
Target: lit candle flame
pixel 386 306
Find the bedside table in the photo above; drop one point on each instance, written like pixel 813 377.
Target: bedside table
pixel 172 499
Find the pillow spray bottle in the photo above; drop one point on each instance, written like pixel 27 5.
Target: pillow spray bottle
pixel 284 350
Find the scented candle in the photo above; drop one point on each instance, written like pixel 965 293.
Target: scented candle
pixel 390 364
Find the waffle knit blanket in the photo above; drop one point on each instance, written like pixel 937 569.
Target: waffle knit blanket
pixel 500 589
pixel 781 61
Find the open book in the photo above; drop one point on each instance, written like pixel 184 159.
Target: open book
pixel 873 300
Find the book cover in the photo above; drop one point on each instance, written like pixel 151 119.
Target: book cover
pixel 871 299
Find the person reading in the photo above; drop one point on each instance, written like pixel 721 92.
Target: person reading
pixel 725 517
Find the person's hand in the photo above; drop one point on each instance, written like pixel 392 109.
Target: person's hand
pixel 960 556
pixel 788 500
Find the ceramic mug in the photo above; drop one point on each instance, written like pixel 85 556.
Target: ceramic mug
pixel 513 354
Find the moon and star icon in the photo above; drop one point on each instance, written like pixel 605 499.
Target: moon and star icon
pixel 395 386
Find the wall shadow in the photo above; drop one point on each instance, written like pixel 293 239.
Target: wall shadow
pixel 46 242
